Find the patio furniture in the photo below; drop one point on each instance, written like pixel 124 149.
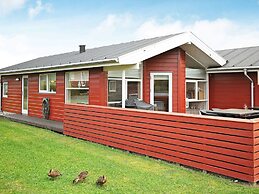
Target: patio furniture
pixel 134 102
pixel 140 104
pixel 232 112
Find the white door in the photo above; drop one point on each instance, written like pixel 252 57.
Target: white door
pixel 161 91
pixel 25 94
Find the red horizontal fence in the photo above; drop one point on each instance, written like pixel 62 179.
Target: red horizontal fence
pixel 222 145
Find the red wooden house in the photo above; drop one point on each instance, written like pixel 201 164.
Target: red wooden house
pixel 157 70
pixel 176 73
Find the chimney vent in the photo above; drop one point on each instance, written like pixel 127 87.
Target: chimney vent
pixel 81 48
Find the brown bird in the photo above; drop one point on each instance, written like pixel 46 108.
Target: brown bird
pixel 54 173
pixel 81 177
pixel 101 180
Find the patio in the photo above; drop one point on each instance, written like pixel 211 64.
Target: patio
pixel 38 122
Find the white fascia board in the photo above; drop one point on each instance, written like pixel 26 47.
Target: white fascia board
pixel 60 69
pixel 63 67
pixel 154 49
pixel 121 67
pixel 231 69
pixel 206 49
pixel 168 44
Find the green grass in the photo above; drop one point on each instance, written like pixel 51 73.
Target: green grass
pixel 27 153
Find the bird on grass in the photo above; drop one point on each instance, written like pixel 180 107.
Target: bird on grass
pixel 81 177
pixel 54 173
pixel 101 180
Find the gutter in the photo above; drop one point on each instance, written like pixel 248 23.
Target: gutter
pixel 58 66
pixel 252 87
pixel 230 69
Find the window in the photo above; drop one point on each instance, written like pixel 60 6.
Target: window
pixel 77 87
pixel 201 90
pixel 196 90
pixel 112 85
pixel 47 83
pixel 132 84
pixel 191 90
pixel 133 88
pixel 115 95
pixel 5 89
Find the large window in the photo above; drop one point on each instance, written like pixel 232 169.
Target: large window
pixel 132 83
pixel 47 83
pixel 5 89
pixel 115 90
pixel 77 87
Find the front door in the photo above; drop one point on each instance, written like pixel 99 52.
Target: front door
pixel 25 94
pixel 161 91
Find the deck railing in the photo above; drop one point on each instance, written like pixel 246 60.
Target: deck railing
pixel 225 146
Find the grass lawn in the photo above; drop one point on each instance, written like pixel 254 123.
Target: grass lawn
pixel 27 153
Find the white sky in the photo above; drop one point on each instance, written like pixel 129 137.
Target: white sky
pixel 30 29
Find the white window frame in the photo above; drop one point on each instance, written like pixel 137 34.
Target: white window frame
pixel 170 91
pixel 196 90
pixel 134 80
pixel 23 110
pixel 66 88
pixel 47 91
pixel 125 86
pixel 5 96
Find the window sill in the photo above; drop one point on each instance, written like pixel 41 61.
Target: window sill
pixel 194 100
pixel 5 96
pixel 77 103
pixel 45 92
pixel 77 88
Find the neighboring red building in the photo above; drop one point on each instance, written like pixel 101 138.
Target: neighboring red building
pixel 235 85
pixel 161 71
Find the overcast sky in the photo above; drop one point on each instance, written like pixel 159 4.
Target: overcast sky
pixel 34 28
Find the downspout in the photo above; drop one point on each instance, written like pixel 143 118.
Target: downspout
pixel 252 88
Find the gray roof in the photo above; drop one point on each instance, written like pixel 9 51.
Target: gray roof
pixel 240 57
pixel 93 54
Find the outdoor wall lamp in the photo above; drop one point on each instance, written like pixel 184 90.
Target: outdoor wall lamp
pixel 17 79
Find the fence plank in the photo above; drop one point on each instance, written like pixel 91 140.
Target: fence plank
pixel 224 146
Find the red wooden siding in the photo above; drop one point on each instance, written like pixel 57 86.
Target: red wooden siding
pixel 256 150
pixel 222 145
pixel 231 90
pixel 98 87
pixel 171 61
pixel 57 100
pixel 13 103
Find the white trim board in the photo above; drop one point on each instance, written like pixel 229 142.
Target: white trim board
pixel 23 110
pixel 170 85
pixel 186 38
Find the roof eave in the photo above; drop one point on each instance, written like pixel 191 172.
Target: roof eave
pixel 90 64
pixel 231 69
pixel 207 50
